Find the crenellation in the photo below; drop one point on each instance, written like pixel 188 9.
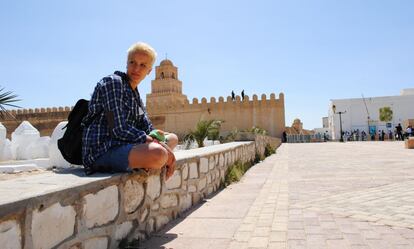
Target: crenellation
pixel 195 101
pixel 67 109
pixel 238 99
pixel 229 99
pixel 255 99
pixel 272 96
pixel 221 99
pixel 203 101
pixel 263 98
pixel 246 99
pixel 212 100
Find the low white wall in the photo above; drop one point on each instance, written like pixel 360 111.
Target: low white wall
pixel 70 210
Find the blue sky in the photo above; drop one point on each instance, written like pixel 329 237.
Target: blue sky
pixel 53 52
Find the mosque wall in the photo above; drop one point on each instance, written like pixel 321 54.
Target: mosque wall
pixel 267 113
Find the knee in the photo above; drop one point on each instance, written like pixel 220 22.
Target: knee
pixel 172 140
pixel 159 155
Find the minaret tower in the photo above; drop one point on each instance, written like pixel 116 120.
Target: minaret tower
pixel 165 88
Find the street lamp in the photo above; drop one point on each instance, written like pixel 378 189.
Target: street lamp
pixel 340 121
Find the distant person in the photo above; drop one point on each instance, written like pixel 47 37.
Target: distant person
pixel 390 135
pixel 399 132
pixel 409 131
pixel 284 137
pixel 233 97
pixel 242 94
pixel 118 138
pixel 382 135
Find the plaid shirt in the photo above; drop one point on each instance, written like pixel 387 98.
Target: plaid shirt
pixel 119 118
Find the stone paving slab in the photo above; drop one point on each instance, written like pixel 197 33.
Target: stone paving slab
pixel 326 195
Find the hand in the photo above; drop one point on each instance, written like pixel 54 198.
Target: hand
pixel 149 139
pixel 170 164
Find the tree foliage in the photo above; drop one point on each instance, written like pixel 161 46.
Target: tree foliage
pixel 7 99
pixel 385 114
pixel 204 129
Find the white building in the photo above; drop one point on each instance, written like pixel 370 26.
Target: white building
pixel 363 113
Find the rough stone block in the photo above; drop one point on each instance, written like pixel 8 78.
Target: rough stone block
pixel 133 195
pixel 153 186
pixel 10 235
pixel 96 243
pixel 155 207
pixel 174 181
pixel 185 202
pixel 210 190
pixel 76 246
pixel 184 171
pixel 169 200
pixel 203 165
pixel 161 221
pixel 216 159
pixel 122 230
pixel 144 215
pixel 221 161
pixel 102 207
pixel 196 197
pixel 222 174
pixel 227 158
pixel 52 225
pixel 212 163
pixel 193 171
pixel 149 228
pixel 192 188
pixel 202 184
pixel 208 179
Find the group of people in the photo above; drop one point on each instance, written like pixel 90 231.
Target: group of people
pixel 381 135
pixel 233 95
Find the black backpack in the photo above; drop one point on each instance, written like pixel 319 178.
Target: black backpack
pixel 70 145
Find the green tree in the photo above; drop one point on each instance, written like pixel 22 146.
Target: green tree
pixel 203 129
pixel 6 99
pixel 385 114
pixel 258 130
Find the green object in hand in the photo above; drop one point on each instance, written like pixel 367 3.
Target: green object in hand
pixel 155 134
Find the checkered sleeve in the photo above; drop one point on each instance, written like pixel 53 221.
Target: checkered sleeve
pixel 113 104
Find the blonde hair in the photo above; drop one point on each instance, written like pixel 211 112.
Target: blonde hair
pixel 143 48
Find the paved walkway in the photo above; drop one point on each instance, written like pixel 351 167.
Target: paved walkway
pixel 355 195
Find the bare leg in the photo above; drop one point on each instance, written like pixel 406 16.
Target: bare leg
pixel 148 156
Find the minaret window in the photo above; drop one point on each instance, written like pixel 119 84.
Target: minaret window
pixel 162 75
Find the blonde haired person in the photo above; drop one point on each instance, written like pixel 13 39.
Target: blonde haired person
pixel 117 139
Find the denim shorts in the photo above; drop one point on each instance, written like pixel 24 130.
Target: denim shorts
pixel 115 160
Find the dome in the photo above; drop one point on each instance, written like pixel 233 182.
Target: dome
pixel 166 62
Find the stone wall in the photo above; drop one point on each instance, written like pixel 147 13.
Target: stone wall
pixel 43 119
pixel 181 117
pixel 101 211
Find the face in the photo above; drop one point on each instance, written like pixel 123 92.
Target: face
pixel 138 66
